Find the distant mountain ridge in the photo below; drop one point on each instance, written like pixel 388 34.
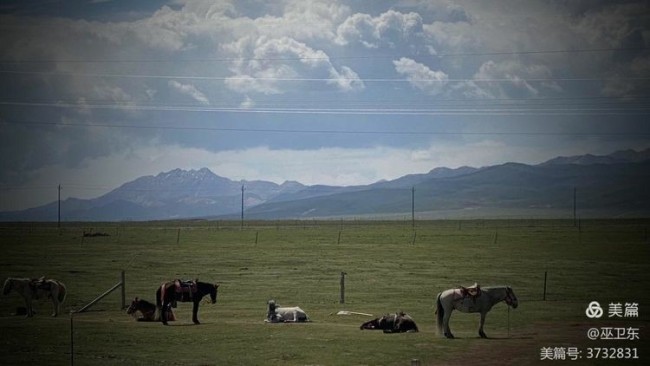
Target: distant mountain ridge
pixel 623 156
pixel 610 185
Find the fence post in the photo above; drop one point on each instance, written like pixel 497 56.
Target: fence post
pixel 342 298
pixel 545 277
pixel 123 280
pixel 71 339
pixel 119 284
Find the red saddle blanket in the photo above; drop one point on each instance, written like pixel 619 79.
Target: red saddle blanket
pixel 185 286
pixel 183 290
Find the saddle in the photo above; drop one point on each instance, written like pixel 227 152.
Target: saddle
pixel 472 292
pixel 39 284
pixel 185 289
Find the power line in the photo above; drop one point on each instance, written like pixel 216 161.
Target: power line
pixel 362 57
pixel 256 78
pixel 627 99
pixel 498 111
pixel 322 131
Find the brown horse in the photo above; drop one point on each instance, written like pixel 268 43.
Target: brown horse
pixel 184 291
pixel 147 311
pixel 392 323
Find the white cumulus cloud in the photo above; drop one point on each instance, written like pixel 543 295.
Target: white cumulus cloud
pixel 421 76
pixel 271 65
pixel 190 90
pixel 389 27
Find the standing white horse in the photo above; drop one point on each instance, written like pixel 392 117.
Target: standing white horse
pixel 277 314
pixel 480 300
pixel 31 289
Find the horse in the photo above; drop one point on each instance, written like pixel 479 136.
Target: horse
pixel 148 311
pixel 392 323
pixel 277 314
pixel 184 291
pixel 35 288
pixel 472 300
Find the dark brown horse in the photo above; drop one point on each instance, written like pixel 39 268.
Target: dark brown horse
pixel 392 323
pixel 147 311
pixel 184 291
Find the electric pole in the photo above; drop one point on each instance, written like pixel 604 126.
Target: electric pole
pixel 242 206
pixel 59 211
pixel 413 206
pixel 575 219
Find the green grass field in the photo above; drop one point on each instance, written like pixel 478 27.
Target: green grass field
pixel 389 268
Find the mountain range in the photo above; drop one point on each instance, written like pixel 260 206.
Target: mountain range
pixel 614 185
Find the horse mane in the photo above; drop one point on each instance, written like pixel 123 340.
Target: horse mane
pixel 492 288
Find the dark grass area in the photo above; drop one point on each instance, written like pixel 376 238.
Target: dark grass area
pixel 390 266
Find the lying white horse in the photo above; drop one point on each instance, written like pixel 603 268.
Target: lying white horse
pixel 279 314
pixel 30 289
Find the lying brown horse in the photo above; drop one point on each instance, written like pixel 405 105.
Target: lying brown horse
pixel 147 311
pixel 392 323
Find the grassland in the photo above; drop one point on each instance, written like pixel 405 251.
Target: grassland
pixel 390 266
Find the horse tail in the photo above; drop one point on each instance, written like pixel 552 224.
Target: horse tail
pixel 440 313
pixel 159 296
pixel 62 292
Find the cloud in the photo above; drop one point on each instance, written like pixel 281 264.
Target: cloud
pixel 346 79
pixel 304 54
pixel 247 103
pixel 304 20
pixel 389 27
pixel 273 65
pixel 420 76
pixel 190 90
pixel 511 79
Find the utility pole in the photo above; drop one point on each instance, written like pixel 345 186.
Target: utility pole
pixel 59 214
pixel 575 222
pixel 242 206
pixel 413 206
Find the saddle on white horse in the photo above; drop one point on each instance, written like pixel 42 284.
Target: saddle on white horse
pixel 472 292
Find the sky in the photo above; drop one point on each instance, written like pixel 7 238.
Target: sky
pixel 97 93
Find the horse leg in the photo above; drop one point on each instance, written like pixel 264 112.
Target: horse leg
pixel 28 305
pixel 163 312
pixel 445 323
pixel 480 328
pixel 55 302
pixel 195 312
pixel 55 306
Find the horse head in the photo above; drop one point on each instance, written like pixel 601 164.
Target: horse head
pixel 134 306
pixel 371 324
pixel 214 289
pixel 272 306
pixel 7 286
pixel 511 299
